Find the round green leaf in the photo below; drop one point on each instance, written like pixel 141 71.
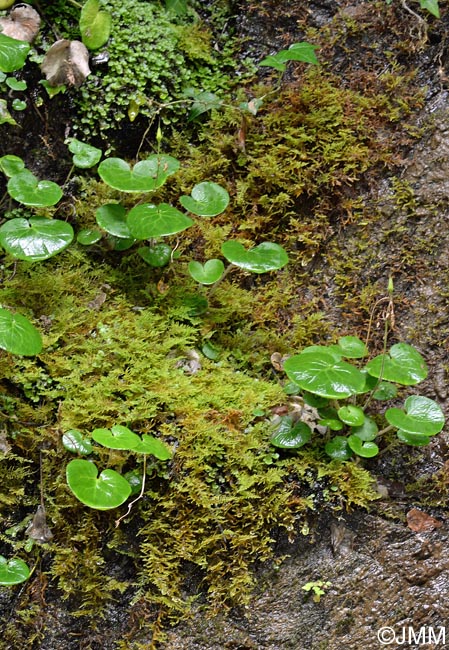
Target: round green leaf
pixel 87 237
pixel 157 255
pixel 150 445
pixel 36 239
pixel 288 436
pixel 13 53
pixel 147 221
pixel 413 439
pixel 318 371
pixel 75 442
pixel 207 200
pixel 352 347
pixel 385 391
pixel 120 243
pixel 367 431
pixel 260 259
pixel 146 175
pixel 402 365
pixel 11 165
pixel 422 415
pixel 208 273
pixel 13 572
pixel 27 189
pixel 85 155
pixel 112 218
pixel 109 490
pixel 352 415
pixel 95 25
pixel 19 104
pixel 16 84
pixel 332 424
pixel 338 448
pixel 118 437
pixel 18 335
pixel 363 449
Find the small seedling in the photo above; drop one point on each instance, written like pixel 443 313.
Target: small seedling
pixel 318 587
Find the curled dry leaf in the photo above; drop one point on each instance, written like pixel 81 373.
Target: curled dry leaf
pixel 66 63
pixel 38 529
pixel 421 522
pixel 22 23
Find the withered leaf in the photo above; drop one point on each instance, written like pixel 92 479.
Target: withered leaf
pixel 66 63
pixel 38 529
pixel 420 522
pixel 22 23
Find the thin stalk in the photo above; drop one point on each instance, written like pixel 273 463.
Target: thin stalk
pixel 142 490
pixel 227 270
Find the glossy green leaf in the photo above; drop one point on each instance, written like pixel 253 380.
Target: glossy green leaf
pixel 289 435
pixel 413 439
pixel 338 448
pixel 112 218
pixel 157 255
pixel 95 25
pixel 13 571
pixel 13 53
pixel 35 239
pixel 422 416
pixel 147 220
pixel 85 155
pixel 27 189
pixel 402 365
pixel 207 273
pixel 352 347
pixel 75 442
pixel 207 199
pixel 260 259
pixel 367 431
pixel 18 104
pixel 16 84
pixel 319 371
pixel 273 61
pixel 18 335
pixel 5 115
pixel 135 480
pixel 11 165
pixel 120 243
pixel 363 449
pixel 303 51
pixel 117 437
pixel 385 391
pixel 146 175
pixel 87 237
pixel 352 415
pixel 431 6
pixel 203 102
pixel 331 423
pixel 151 445
pixel 103 492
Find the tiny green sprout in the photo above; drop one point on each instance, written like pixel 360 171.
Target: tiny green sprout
pixel 18 335
pixel 318 587
pixel 13 571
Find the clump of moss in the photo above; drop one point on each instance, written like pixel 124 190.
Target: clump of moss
pixel 154 57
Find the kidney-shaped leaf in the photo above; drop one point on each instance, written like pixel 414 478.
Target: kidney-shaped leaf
pixel 29 190
pixel 207 200
pixel 112 218
pixel 403 365
pixel 260 259
pixel 36 239
pixel 151 445
pixel 109 490
pixel 13 53
pixel 352 415
pixel 84 155
pixel 148 220
pixel 146 175
pixel 363 449
pixel 157 255
pixel 75 442
pixel 117 437
pixel 207 273
pixel 18 335
pixel 338 448
pixel 421 415
pixel 413 439
pixel 13 572
pixel 11 165
pixel 318 371
pixel 95 25
pixel 288 436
